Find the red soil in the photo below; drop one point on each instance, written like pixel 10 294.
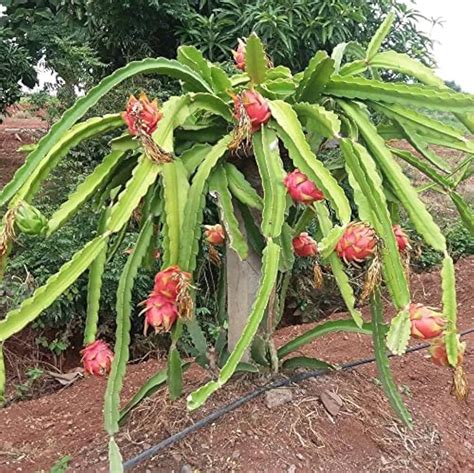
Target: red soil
pixel 297 436
pixel 13 134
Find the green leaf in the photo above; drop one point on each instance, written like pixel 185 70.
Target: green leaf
pixel 176 188
pixel 364 209
pixel 448 284
pixel 45 295
pixel 421 218
pixel 175 374
pixel 220 81
pixel 434 98
pixel 237 240
pixel 465 211
pixel 315 78
pixel 259 351
pixel 193 58
pixel 94 286
pixel 298 362
pixel 278 88
pixel 403 63
pixel 287 257
pixel 78 133
pixel 271 256
pixel 3 375
pixel 290 131
pixel 319 120
pixel 241 189
pixel 164 66
pixel 152 385
pixel 399 333
pixel 428 127
pixel 337 55
pixel 197 335
pixel 194 156
pixel 125 142
pixel 148 388
pixel 175 111
pixel 337 267
pixel 270 167
pixel 244 367
pixel 193 211
pixel 115 458
pixel 321 330
pixel 143 176
pixel 379 36
pixel 382 361
pixel 122 332
pixel 422 167
pixel 84 191
pixel 365 173
pixel 353 68
pixel 328 243
pixel 255 60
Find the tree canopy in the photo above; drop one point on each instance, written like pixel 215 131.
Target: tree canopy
pixel 82 40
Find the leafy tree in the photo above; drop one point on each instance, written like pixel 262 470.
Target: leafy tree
pixel 15 67
pixel 50 31
pixel 121 31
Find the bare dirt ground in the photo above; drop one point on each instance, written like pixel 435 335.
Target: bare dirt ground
pixel 13 134
pixel 296 436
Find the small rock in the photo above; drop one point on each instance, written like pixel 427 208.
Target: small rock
pixel 186 468
pixel 299 456
pixel 291 469
pixel 277 397
pixel 331 402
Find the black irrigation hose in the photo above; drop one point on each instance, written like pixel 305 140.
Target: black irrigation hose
pixel 152 451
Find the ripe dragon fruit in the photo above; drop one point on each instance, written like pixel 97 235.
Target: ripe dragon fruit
pixel 167 282
pixel 255 107
pixel 214 234
pixel 357 244
pixel 142 116
pixel 402 238
pixel 425 322
pixel 239 55
pixel 97 358
pixel 301 189
pixel 304 245
pixel 160 313
pixel 439 355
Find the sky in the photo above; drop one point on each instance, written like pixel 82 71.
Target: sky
pixel 454 38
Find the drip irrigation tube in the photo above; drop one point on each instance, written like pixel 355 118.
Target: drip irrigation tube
pixel 166 443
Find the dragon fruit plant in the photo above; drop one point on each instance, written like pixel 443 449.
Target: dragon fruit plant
pixel 171 156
